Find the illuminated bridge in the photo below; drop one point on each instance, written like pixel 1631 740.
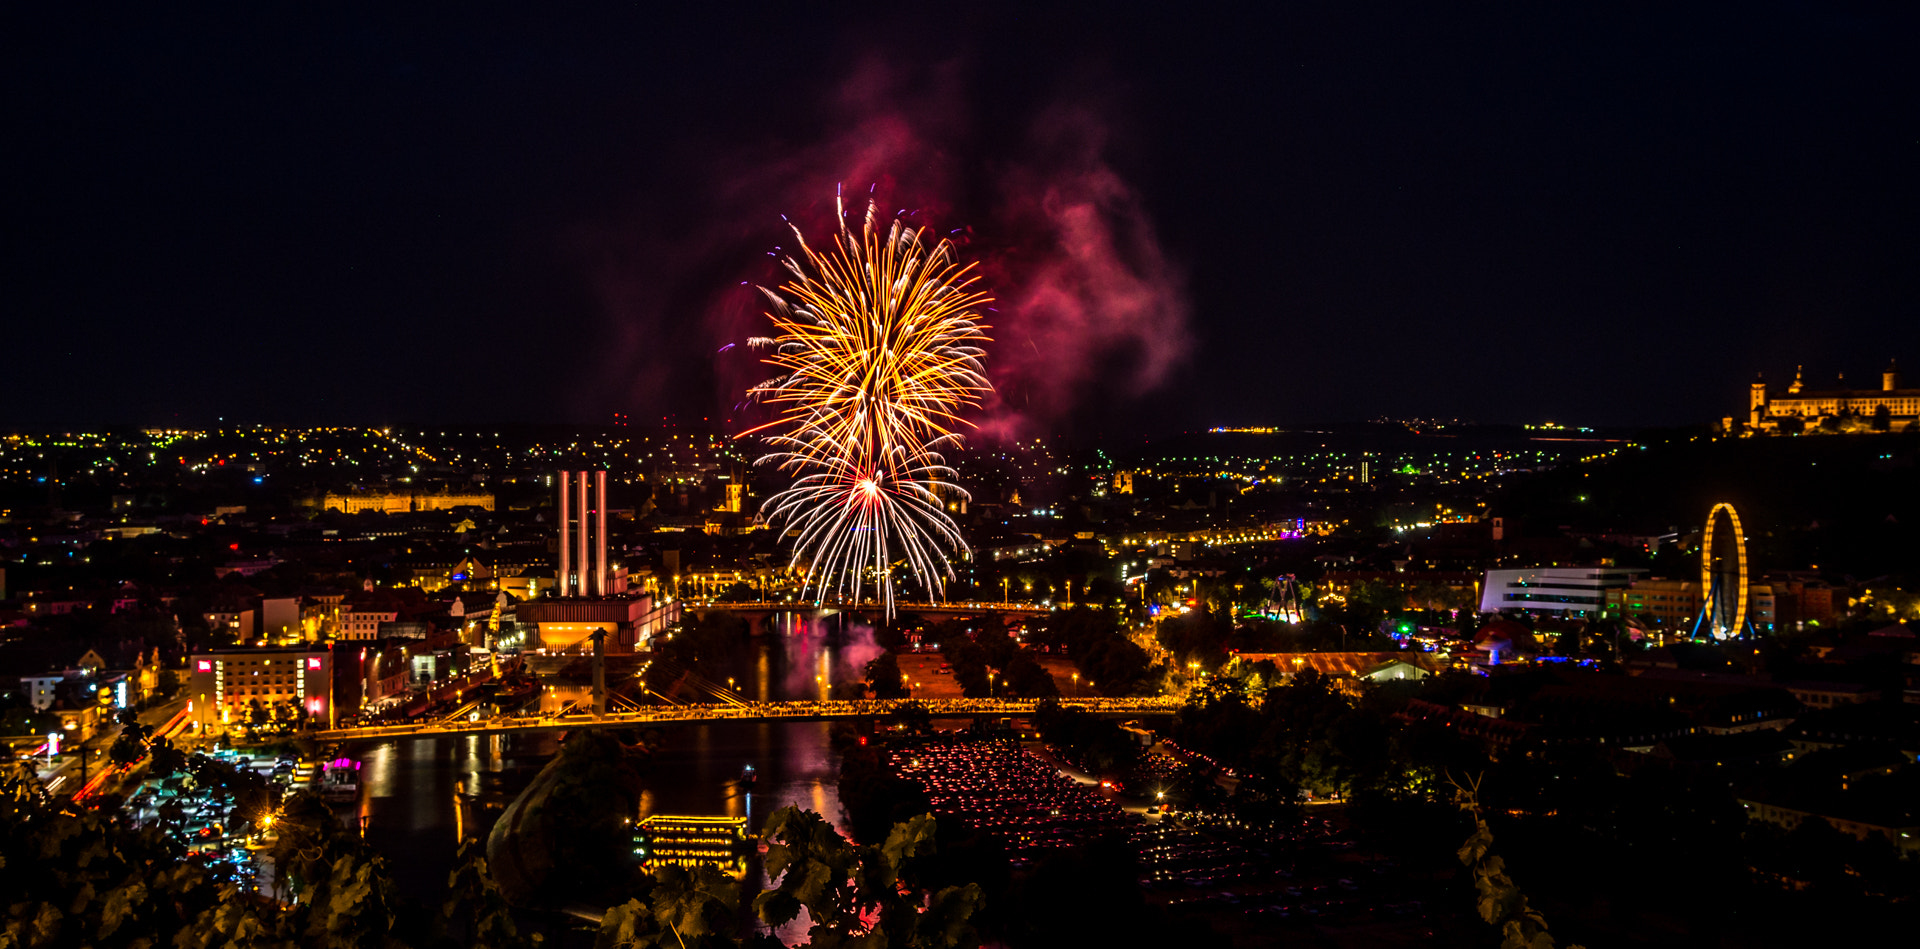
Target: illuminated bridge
pixel 652 717
pixel 947 608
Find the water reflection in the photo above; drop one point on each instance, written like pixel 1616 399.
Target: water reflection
pixel 408 789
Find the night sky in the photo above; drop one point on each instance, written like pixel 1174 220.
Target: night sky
pixel 1258 214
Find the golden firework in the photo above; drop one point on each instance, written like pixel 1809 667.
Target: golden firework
pixel 879 344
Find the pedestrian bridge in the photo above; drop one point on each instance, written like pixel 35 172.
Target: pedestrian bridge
pixel 653 717
pixel 943 608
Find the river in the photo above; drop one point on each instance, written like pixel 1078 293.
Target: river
pixel 407 788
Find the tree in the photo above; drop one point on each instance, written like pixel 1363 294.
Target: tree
pixel 1116 667
pixel 1098 744
pixel 1501 903
pixel 883 674
pixel 969 664
pixel 131 746
pixel 475 913
pixel 1199 636
pixel 1026 678
pixel 861 895
pixel 685 907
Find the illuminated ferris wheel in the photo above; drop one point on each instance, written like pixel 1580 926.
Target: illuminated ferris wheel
pixel 1723 578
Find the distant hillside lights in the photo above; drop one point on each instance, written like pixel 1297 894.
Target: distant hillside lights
pixel 1890 408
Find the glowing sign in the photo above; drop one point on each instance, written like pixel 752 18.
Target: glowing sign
pixel 204 665
pixel 313 663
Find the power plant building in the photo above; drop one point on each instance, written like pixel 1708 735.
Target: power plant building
pixel 590 596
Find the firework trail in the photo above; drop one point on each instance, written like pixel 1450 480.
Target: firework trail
pixel 879 348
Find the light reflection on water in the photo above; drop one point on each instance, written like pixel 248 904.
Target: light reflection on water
pixel 407 795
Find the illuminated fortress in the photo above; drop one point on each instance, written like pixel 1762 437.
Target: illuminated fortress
pixel 1889 408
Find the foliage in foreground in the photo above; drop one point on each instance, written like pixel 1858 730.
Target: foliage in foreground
pixel 1500 902
pixel 76 876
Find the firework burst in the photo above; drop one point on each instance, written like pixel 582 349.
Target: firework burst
pixel 878 343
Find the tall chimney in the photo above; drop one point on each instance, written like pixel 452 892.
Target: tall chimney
pixel 600 578
pixel 566 545
pixel 580 536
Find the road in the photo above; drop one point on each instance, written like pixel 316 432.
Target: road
pixel 64 780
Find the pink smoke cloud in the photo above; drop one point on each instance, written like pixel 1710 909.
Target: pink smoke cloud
pixel 1088 290
pixel 1088 304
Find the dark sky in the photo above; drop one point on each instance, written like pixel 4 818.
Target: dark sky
pixel 1265 213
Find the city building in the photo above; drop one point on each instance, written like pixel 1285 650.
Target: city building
pixel 403 502
pixel 629 621
pixel 1676 603
pixel 1815 694
pixel 1856 819
pixel 1801 601
pixel 1565 590
pixel 592 595
pixel 40 689
pixel 361 614
pixel 224 684
pixel 1891 407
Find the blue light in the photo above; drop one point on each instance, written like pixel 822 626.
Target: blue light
pixel 258 479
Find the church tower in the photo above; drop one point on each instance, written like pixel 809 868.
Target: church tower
pixel 1756 401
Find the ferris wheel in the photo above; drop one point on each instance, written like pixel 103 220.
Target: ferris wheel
pixel 1723 578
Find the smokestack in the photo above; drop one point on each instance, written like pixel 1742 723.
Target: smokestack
pixel 566 545
pixel 600 578
pixel 580 536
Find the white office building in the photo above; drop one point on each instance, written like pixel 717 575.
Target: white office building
pixel 1573 591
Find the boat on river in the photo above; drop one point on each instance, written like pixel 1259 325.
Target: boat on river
pixel 340 780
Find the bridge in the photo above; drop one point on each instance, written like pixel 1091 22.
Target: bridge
pixel 948 608
pixel 655 716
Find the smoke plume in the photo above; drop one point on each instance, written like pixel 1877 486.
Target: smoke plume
pixel 1089 307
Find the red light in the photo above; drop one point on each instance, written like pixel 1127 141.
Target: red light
pixel 233 546
pixel 313 662
pixel 863 741
pixel 204 665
